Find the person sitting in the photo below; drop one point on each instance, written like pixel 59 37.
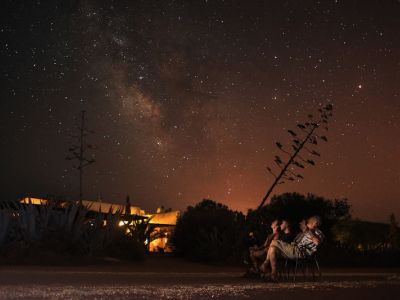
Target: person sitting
pixel 285 232
pixel 257 254
pixel 304 247
pixel 303 229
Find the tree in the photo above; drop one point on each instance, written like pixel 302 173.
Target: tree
pixel 296 207
pixel 209 231
pixel 78 151
pixel 258 225
pixel 304 141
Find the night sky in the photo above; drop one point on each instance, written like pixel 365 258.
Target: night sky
pixel 187 98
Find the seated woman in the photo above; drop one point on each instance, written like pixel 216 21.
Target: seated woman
pixel 305 246
pixel 257 254
pixel 280 231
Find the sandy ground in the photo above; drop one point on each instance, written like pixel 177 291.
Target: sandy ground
pixel 170 278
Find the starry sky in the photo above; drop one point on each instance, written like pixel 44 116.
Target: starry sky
pixel 188 98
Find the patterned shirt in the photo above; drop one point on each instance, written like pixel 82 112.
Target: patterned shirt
pixel 306 245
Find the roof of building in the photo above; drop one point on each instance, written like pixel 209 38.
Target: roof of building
pixel 164 218
pixel 105 207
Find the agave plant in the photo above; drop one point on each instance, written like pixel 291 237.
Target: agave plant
pixel 141 230
pixel 68 229
pixel 4 222
pixel 27 219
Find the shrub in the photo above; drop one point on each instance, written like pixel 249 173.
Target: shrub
pixel 296 207
pixel 38 233
pixel 209 232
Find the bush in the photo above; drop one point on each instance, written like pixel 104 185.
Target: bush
pixel 49 232
pixel 209 232
pixel 257 226
pixel 296 207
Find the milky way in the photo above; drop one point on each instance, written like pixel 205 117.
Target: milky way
pixel 187 99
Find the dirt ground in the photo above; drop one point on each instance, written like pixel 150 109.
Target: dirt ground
pixel 171 278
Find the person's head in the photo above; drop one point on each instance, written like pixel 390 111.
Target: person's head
pixel 275 225
pixel 285 225
pixel 303 225
pixel 313 222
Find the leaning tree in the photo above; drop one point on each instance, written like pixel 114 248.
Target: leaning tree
pixel 305 141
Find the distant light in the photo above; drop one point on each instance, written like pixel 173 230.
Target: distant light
pixel 123 223
pixel 359 86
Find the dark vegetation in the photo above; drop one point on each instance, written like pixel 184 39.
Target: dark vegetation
pixel 209 231
pixel 360 243
pixel 212 232
pixel 64 232
pixel 78 150
pixel 51 234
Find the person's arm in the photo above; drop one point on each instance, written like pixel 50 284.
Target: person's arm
pixel 315 238
pixel 266 243
pixel 268 240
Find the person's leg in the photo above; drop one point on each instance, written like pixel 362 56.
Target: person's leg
pixel 256 256
pixel 273 244
pixel 252 257
pixel 264 265
pixel 248 260
pixel 275 251
pixel 273 261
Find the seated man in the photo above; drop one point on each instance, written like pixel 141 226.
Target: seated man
pixel 258 254
pixel 285 233
pixel 303 229
pixel 304 246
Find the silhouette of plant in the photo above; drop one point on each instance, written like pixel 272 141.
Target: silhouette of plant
pixel 210 231
pixel 78 151
pixel 304 141
pixel 394 233
pixel 296 207
pixel 30 232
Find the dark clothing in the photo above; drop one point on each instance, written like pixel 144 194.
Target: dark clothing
pixel 285 237
pixel 269 240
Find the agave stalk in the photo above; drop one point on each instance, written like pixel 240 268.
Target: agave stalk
pixel 310 137
pixel 77 152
